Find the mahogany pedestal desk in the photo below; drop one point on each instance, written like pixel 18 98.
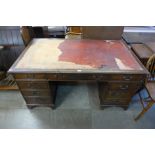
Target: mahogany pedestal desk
pixel 46 62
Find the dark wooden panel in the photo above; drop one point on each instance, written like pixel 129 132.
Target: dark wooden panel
pixel 35 96
pixel 78 76
pixel 32 85
pixel 38 100
pixel 124 86
pixel 127 77
pixel 27 34
pixel 30 76
pixel 117 93
pixel 36 92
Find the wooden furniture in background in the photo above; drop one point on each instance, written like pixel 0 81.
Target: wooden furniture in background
pixel 143 51
pixel 102 32
pixel 46 62
pixel 53 31
pixel 95 32
pixel 74 30
pixel 27 34
pixel 138 37
pixel 148 102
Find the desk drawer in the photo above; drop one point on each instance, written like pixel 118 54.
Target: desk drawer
pixel 32 85
pixel 127 77
pixel 30 76
pixel 36 92
pixel 38 100
pixel 124 86
pixel 117 93
pixel 37 76
pixel 94 77
pixel 114 102
pixel 115 97
pixel 113 94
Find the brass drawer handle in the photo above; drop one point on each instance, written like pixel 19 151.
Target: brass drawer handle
pixel 124 87
pixel 127 78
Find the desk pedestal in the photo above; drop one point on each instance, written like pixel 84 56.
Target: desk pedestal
pixel 38 93
pixel 117 93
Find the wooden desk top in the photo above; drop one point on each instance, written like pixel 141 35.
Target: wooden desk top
pixel 58 55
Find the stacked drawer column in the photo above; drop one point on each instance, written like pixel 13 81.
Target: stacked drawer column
pixel 119 90
pixel 36 89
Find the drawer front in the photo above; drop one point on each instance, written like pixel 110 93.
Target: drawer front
pixel 38 100
pixel 115 98
pixel 53 76
pixel 29 76
pixel 124 86
pixel 37 76
pixel 130 87
pixel 127 77
pixel 84 77
pixel 36 93
pixel 32 85
pixel 112 94
pixel 61 77
pixel 114 102
pixel 116 93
